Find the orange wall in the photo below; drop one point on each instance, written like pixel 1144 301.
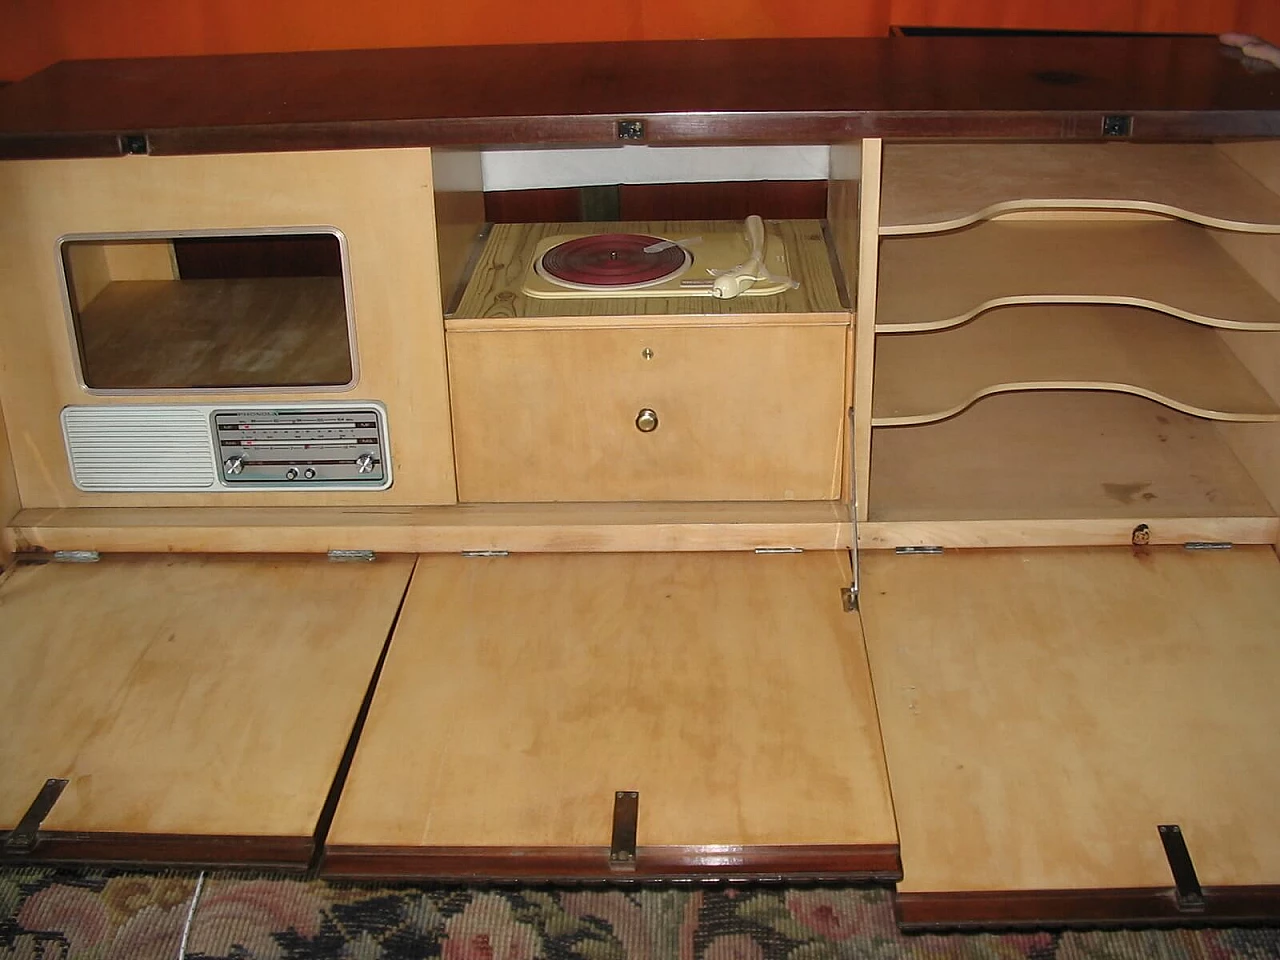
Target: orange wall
pixel 35 33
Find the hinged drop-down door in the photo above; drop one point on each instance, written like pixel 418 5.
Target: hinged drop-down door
pixel 621 715
pixel 1081 735
pixel 198 708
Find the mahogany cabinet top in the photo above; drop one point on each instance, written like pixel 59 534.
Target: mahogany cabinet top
pixel 682 92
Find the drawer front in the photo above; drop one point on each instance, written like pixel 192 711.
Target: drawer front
pixel 748 413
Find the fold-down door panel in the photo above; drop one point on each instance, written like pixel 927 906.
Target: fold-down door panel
pixel 198 707
pixel 521 694
pixel 1045 712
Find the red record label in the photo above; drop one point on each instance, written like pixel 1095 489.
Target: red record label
pixel 612 260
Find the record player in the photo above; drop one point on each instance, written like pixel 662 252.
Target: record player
pixel 747 262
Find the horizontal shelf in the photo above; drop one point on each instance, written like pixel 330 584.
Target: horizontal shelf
pixel 494 297
pixel 929 188
pixel 923 377
pixel 933 282
pixel 517 527
pixel 246 332
pixel 1060 455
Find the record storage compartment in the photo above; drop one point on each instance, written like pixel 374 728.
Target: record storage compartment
pixel 1080 344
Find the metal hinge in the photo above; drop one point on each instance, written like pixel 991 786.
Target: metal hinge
pixel 626 813
pixel 779 549
pixel 1208 545
pixel 24 837
pixel 1188 893
pixel 486 553
pixel 76 556
pixel 917 551
pixel 352 556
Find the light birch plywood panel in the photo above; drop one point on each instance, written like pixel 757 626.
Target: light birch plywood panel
pixel 494 293
pixel 745 413
pixel 381 200
pixel 934 187
pixel 865 330
pixel 187 696
pixel 1065 455
pixel 1044 711
pixel 932 282
pixel 520 693
pixel 523 527
pixel 922 377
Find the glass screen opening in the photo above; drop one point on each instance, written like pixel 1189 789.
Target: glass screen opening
pixel 210 312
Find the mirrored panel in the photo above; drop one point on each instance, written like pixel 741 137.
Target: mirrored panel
pixel 183 312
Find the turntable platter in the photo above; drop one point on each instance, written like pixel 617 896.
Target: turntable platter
pixel 612 261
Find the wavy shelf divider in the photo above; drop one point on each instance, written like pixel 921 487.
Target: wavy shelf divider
pixel 935 282
pixel 928 188
pixel 924 377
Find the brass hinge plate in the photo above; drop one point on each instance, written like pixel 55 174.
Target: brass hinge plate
pixel 76 556
pixel 352 556
pixel 626 813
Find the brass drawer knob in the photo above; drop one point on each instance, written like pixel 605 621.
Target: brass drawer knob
pixel 646 421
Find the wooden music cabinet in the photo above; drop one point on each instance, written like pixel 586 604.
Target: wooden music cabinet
pixel 954 567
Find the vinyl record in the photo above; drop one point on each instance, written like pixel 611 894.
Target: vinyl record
pixel 614 261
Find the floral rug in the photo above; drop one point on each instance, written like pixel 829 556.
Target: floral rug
pixel 49 914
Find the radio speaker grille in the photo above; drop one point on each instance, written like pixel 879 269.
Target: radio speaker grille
pixel 114 449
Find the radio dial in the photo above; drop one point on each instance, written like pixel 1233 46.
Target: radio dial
pixel 291 473
pixel 364 463
pixel 233 465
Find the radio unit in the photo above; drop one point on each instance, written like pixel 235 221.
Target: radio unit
pixel 178 447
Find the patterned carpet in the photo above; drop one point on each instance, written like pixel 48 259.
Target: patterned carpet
pixel 48 914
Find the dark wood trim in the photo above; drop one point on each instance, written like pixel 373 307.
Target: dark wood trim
pixel 835 861
pixel 549 205
pixel 722 200
pixel 997 909
pixel 292 853
pixel 727 200
pixel 684 92
pixel 56 146
pixel 234 257
pixel 687 130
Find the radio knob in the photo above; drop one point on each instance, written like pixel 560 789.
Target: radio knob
pixel 233 465
pixel 291 473
pixel 364 463
pixel 309 473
